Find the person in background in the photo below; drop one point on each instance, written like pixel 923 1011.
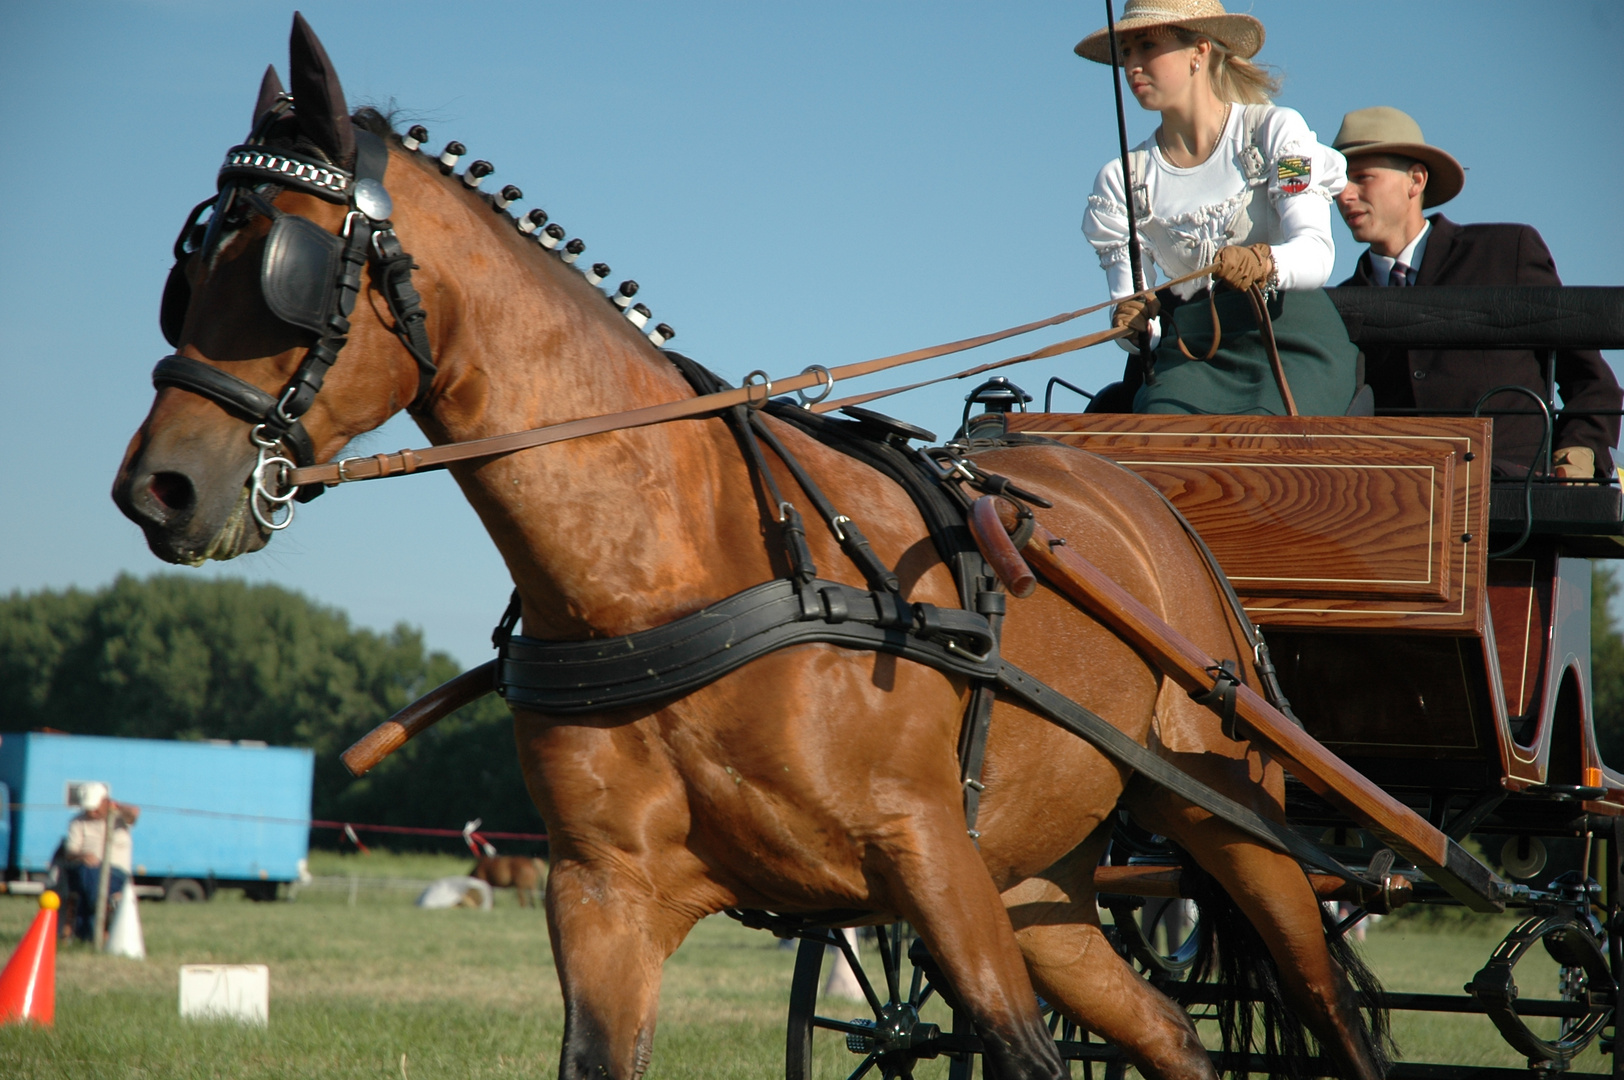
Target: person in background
pixel 83 850
pixel 1394 175
pixel 1228 178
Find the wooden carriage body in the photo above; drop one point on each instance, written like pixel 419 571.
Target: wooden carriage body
pixel 1376 554
pixel 1360 546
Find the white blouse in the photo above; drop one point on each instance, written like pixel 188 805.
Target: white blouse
pixel 1193 212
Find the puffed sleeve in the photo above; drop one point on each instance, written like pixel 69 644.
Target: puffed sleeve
pixel 1105 224
pixel 1304 177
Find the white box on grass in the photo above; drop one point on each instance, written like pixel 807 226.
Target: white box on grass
pixel 226 992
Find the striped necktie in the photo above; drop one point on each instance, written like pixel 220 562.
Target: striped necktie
pixel 1400 275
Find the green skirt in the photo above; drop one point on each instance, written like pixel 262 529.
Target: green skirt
pixel 1318 359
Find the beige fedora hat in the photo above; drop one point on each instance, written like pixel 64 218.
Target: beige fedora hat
pixel 1240 34
pixel 1386 130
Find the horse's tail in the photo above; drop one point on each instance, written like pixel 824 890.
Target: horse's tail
pixel 1232 950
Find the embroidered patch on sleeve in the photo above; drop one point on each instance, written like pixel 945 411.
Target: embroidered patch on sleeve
pixel 1294 174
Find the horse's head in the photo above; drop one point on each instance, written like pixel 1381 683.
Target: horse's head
pixel 265 285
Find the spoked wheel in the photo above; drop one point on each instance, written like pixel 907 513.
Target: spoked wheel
pixel 893 1040
pixel 1161 936
pixel 890 1039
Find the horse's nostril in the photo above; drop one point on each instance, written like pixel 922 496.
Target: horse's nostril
pixel 173 491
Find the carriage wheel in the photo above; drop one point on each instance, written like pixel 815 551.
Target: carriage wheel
pixel 1155 935
pixel 1152 933
pixel 891 1039
pixel 1576 942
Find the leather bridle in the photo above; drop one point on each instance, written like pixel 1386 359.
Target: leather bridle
pixel 311 279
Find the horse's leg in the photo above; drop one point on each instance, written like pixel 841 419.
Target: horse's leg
pixel 621 895
pixel 1275 896
pixel 609 941
pixel 1076 970
pixel 942 887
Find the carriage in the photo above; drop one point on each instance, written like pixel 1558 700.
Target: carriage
pixel 1431 627
pixel 691 705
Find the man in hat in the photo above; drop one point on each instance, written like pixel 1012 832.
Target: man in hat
pixel 1394 175
pixel 84 848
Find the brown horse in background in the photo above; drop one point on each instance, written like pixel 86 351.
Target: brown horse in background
pixel 521 873
pixel 815 777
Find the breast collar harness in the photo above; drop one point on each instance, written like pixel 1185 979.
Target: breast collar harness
pixel 311 279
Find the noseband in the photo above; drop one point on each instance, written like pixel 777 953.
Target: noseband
pixel 311 279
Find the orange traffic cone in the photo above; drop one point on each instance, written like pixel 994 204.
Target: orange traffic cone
pixel 28 983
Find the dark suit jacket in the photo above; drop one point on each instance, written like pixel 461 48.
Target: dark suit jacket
pixel 1452 381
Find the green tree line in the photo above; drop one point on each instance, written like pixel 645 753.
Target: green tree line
pixel 174 657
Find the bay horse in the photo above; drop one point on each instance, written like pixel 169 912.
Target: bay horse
pixel 521 873
pixel 815 777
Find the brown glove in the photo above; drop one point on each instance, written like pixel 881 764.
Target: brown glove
pixel 1135 314
pixel 1242 267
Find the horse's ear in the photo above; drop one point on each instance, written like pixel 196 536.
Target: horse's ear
pixel 270 88
pixel 318 99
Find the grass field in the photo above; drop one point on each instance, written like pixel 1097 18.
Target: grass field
pixel 373 987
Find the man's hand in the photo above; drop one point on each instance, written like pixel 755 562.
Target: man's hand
pixel 1575 462
pixel 1135 314
pixel 90 860
pixel 1242 267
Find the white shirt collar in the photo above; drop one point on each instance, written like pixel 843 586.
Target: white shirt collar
pixel 1381 266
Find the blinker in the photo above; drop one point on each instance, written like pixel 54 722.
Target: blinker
pixel 372 199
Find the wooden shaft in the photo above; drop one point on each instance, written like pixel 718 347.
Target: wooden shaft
pixel 418 717
pixel 997 548
pixel 1327 775
pixel 1164 882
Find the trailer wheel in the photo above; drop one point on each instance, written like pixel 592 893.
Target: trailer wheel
pixel 184 891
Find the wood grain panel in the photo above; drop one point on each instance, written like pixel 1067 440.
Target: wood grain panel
pixel 1520 602
pixel 1320 522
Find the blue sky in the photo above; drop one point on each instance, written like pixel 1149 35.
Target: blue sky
pixel 791 184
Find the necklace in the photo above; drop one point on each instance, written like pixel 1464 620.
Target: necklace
pixel 1223 127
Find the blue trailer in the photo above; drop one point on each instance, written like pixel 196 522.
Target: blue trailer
pixel 213 813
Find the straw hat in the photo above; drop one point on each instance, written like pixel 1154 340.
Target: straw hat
pixel 1385 130
pixel 1240 34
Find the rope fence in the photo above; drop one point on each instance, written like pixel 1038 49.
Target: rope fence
pixel 348 828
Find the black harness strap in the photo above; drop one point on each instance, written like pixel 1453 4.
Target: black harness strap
pixel 570 677
pixel 1111 742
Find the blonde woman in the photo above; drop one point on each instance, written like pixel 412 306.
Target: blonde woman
pixel 1229 178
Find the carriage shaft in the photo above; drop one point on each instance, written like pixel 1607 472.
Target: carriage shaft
pixel 1326 774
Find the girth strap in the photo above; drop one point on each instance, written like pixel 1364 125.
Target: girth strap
pixel 566 677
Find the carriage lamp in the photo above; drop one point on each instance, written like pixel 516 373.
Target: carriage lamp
pixel 450 155
pixel 661 334
pixel 639 315
pixel 597 272
pixel 415 136
pixel 997 398
pixel 509 194
pixel 998 395
pixel 478 171
pixel 572 250
pixel 622 296
pixel 532 221
pixel 551 236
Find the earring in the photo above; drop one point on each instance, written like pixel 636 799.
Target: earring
pixel 1196 68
